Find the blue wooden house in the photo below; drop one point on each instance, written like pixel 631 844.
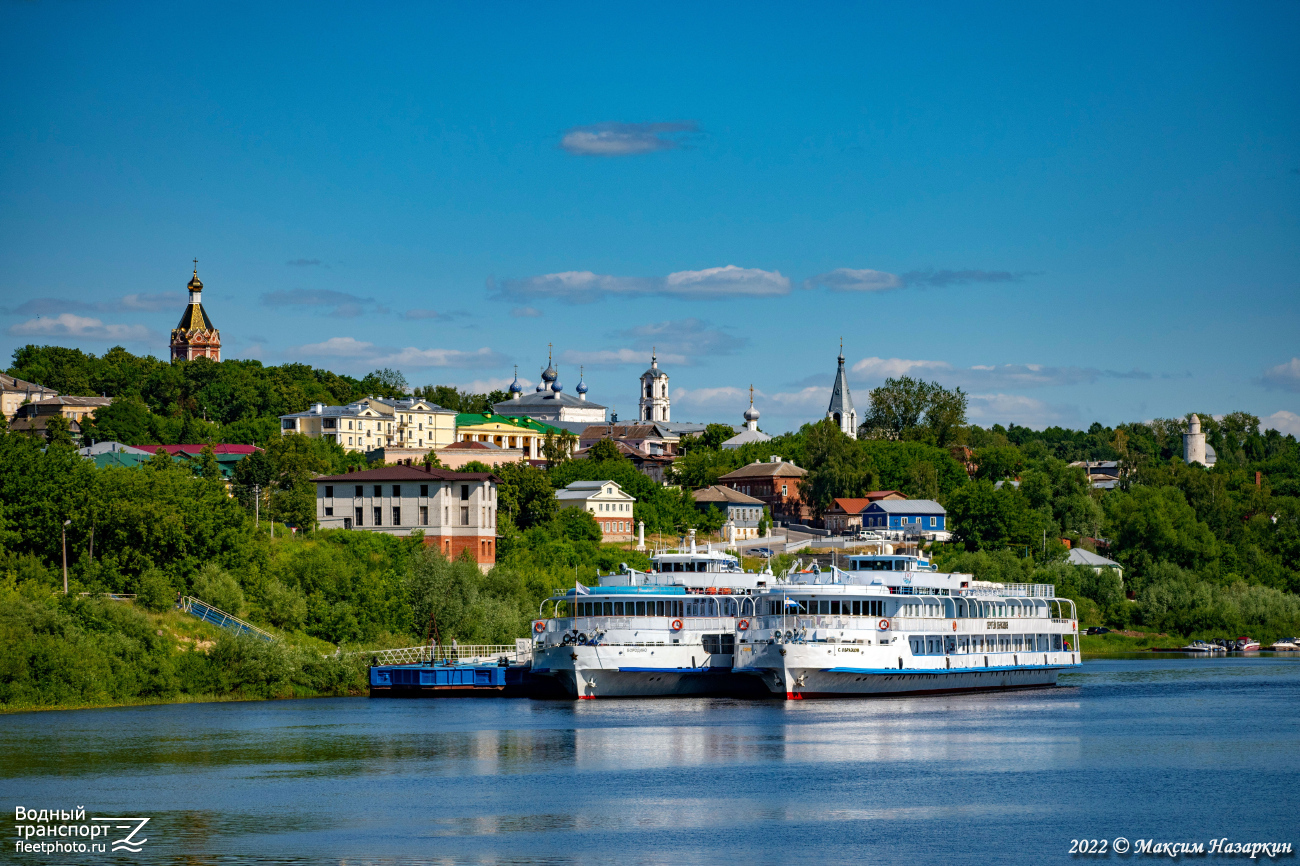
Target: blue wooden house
pixel 919 515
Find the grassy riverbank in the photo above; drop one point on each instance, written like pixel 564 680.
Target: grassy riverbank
pixel 78 652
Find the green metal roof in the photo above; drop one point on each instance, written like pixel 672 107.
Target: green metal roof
pixel 472 419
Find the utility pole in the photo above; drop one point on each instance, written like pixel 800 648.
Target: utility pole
pixel 65 556
pixel 257 505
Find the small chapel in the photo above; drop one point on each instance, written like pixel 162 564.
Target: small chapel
pixel 195 336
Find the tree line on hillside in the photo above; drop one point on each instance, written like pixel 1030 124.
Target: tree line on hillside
pixel 1201 548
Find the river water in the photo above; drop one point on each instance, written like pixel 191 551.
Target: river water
pixel 1172 749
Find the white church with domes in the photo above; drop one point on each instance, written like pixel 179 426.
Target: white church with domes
pixel 549 403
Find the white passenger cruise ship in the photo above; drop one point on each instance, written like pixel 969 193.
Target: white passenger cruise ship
pixel 893 625
pixel 667 631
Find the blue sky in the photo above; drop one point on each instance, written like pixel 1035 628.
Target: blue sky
pixel 1075 214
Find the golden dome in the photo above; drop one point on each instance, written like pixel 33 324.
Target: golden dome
pixel 196 285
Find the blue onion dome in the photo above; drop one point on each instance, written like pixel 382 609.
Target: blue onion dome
pixel 549 374
pixel 751 414
pixel 515 387
pixel 555 385
pixel 582 386
pixel 541 386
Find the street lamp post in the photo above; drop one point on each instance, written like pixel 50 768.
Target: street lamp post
pixel 66 523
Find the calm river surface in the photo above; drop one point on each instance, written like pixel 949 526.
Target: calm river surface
pixel 1173 749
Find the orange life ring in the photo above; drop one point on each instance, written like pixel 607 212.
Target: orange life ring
pixel 539 626
pixel 677 625
pixel 713 590
pixel 743 625
pixel 883 625
pixel 954 625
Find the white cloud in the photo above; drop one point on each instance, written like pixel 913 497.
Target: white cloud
pixel 712 398
pixel 989 409
pixel 1285 377
pixel 879 369
pixel 867 280
pixel 585 287
pixel 852 280
pixel 413 357
pixel 84 327
pixel 483 386
pixel 380 356
pixel 525 313
pixel 1284 422
pixel 813 397
pixel 985 376
pixel 728 281
pixel 624 139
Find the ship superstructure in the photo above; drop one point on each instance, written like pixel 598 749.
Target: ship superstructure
pixel 894 625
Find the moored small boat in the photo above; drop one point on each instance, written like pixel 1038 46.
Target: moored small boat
pixel 1200 646
pixel 1247 645
pixel 1286 644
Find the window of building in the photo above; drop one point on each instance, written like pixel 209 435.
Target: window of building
pixel 379 516
pixel 329 512
pixel 329 491
pixel 358 493
pixel 464 493
pixel 424 490
pixel 397 515
pixel 464 515
pixel 329 423
pixel 358 516
pixel 289 424
pixel 424 515
pixel 397 490
pixel 379 490
pixel 349 427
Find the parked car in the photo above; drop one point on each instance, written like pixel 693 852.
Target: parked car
pixel 1098 629
pixel 762 551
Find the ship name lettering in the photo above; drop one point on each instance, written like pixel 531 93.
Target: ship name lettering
pixel 999 624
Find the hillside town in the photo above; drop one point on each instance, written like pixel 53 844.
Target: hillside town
pixel 421 468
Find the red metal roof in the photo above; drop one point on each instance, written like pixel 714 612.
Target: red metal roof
pixel 222 448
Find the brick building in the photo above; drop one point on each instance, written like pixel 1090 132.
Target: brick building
pixel 456 511
pixel 775 482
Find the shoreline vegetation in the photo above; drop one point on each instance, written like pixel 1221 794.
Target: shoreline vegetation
pixel 1205 552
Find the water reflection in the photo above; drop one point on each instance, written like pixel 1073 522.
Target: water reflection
pixel 679 781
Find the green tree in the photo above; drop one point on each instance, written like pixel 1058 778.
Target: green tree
pixel 207 466
pixel 57 432
pixel 605 449
pixel 907 408
pixel 525 494
pixel 577 524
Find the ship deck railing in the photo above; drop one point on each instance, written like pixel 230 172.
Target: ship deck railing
pixel 1013 590
pixel 912 624
pixel 520 652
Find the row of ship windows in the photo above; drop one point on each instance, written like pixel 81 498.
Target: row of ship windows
pixel 824 607
pixel 935 644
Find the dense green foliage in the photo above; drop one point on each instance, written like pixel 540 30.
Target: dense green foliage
pixel 191 401
pixel 1203 551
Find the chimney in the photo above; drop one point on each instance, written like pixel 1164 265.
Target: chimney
pixel 318 408
pixel 775 459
